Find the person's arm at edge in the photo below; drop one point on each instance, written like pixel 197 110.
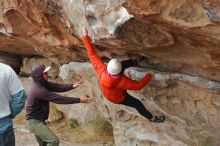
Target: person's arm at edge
pixel 17 103
pixel 17 93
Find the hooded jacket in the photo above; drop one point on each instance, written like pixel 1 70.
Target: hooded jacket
pixel 41 92
pixel 113 88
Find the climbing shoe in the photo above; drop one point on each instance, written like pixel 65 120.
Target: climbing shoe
pixel 158 119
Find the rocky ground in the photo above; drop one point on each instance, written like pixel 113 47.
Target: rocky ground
pixel 25 138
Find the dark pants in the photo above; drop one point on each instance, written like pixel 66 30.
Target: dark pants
pixel 135 103
pixel 7 138
pixel 130 100
pixel 126 64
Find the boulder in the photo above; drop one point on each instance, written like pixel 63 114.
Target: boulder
pixel 178 38
pixel 188 103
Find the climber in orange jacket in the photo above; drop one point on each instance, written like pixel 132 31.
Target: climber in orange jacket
pixel 114 84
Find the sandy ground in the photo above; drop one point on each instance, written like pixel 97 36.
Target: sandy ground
pixel 25 138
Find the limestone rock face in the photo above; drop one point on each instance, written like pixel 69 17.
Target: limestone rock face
pixel 190 104
pixel 178 38
pixel 29 62
pixel 174 35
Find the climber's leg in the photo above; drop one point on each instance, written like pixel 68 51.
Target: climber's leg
pixel 131 62
pixel 135 103
pixel 126 64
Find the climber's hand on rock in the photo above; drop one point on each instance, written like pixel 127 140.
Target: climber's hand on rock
pixel 85 99
pixel 151 72
pixel 84 31
pixel 77 84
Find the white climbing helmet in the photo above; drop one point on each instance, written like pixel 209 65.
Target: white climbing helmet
pixel 114 67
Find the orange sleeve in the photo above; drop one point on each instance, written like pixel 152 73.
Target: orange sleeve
pixel 129 84
pixel 96 61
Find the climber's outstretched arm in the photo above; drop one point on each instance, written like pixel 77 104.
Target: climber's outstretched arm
pixel 96 61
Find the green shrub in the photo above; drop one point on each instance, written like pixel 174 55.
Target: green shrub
pixel 73 123
pixel 97 130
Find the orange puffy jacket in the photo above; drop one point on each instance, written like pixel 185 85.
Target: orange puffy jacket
pixel 112 88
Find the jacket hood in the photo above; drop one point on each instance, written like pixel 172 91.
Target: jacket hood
pixel 37 74
pixel 37 71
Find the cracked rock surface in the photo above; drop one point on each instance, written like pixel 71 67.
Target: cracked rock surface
pixel 180 40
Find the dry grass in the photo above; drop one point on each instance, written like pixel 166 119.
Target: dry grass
pixel 97 130
pixel 20 118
